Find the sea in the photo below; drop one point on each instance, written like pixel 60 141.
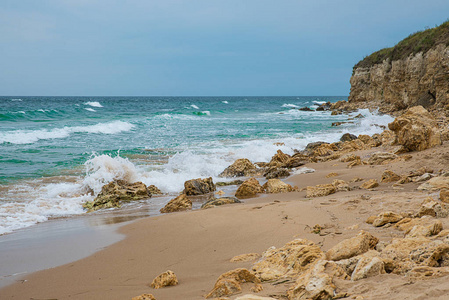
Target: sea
pixel 57 152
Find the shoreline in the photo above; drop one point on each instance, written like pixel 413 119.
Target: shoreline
pixel 197 245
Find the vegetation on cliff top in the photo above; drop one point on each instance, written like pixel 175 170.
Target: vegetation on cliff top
pixel 421 41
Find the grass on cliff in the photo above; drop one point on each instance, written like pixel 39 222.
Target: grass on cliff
pixel 420 41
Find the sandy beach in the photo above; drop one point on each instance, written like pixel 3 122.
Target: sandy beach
pixel 198 245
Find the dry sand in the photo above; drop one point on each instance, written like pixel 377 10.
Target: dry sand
pixel 198 245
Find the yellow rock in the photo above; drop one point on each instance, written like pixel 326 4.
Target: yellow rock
pixel 245 257
pixel 230 283
pixel 348 248
pixel 320 190
pixel 167 278
pixel 370 184
pixel 144 297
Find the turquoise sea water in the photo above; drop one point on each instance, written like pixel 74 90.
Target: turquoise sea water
pixel 55 150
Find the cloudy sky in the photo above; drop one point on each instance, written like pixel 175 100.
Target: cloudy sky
pixel 198 47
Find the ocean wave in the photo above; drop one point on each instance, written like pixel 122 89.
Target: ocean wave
pixel 194 106
pixel 32 136
pixel 288 105
pixel 90 109
pixel 319 102
pixel 225 102
pixel 93 103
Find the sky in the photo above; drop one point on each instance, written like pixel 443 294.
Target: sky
pixel 198 47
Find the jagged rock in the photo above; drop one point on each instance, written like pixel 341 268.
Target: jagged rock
pixel 390 176
pixel 432 208
pixel 279 159
pixel 341 185
pixel 388 138
pixel 253 297
pixel 353 145
pixel 356 162
pixel 230 283
pixel 381 158
pixel 179 203
pixel 220 201
pixel 294 162
pixel 116 192
pixel 144 297
pixel 402 255
pixel 245 257
pixel 275 172
pixel 317 283
pixel 226 183
pixel 369 141
pixel 290 260
pixel 320 190
pixel 349 157
pixel 199 186
pixel 220 193
pixel 424 177
pixel 436 183
pixel 153 190
pixel 305 109
pixel 424 226
pixel 357 245
pixel 385 218
pixel 332 174
pixel 276 186
pixel 369 264
pixel 420 172
pixel 324 150
pixel 310 148
pixel 444 195
pixel 249 188
pixel 370 184
pixel 416 129
pixel 167 278
pixel 347 137
pixel 241 167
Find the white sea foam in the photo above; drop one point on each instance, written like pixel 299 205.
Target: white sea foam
pixel 225 102
pixel 93 103
pixel 32 136
pixel 319 102
pixel 90 109
pixel 194 106
pixel 206 112
pixel 288 105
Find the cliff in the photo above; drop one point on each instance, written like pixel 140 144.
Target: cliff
pixel 414 72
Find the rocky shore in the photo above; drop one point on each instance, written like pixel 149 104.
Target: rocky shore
pixel 329 222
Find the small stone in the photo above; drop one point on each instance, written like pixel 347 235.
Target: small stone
pixel 380 158
pixel 444 195
pixel 390 176
pixel 331 175
pixel 167 278
pixel 144 297
pixel 370 184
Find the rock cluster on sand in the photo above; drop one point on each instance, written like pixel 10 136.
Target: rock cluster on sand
pixel 116 192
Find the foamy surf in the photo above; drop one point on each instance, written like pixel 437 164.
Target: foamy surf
pixel 93 104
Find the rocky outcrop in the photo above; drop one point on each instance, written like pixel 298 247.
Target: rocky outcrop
pixel 357 245
pixel 179 203
pixel 199 186
pixel 249 188
pixel 241 167
pixel 231 282
pixel 116 192
pixel 276 186
pixel 167 278
pixel 416 129
pixel 418 79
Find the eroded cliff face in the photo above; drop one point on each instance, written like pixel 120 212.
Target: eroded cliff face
pixel 420 79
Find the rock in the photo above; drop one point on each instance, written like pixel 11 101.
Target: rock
pixel 416 129
pixel 253 297
pixel 332 174
pixel 390 176
pixel 432 208
pixel 369 264
pixel 153 190
pixel 274 172
pixel 444 195
pixel 276 186
pixel 424 177
pixel 369 141
pixel 356 162
pixel 320 190
pixel 179 203
pixel 388 138
pixel 230 283
pixel 241 167
pixel 167 278
pixel 371 219
pixel 116 192
pixel 249 188
pixel 279 159
pixel 349 157
pixel 234 182
pixel 245 257
pixel 420 172
pixel 144 297
pixel 317 283
pixel 357 245
pixel 324 150
pixel 199 186
pixel 220 201
pixel 220 193
pixel 370 184
pixel 436 183
pixel 347 137
pixel 386 217
pixel 423 227
pixel 305 109
pixel 310 148
pixel 294 162
pixel 290 260
pixel 341 185
pixel 381 158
